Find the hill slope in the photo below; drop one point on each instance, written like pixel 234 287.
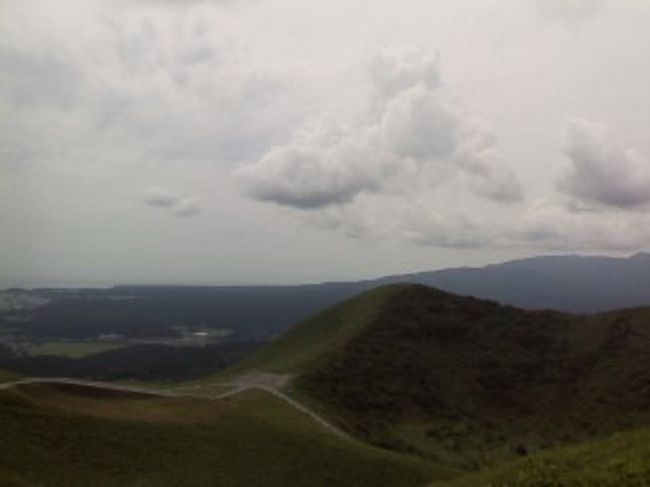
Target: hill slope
pixel 6 376
pixel 620 460
pixel 68 435
pixel 302 347
pixel 464 381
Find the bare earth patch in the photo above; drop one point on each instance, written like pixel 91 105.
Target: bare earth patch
pixel 264 380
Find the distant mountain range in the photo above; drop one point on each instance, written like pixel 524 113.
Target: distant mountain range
pixel 566 283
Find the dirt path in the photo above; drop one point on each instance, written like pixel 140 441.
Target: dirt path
pixel 239 388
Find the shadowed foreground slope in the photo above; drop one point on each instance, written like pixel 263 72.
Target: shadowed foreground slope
pixel 67 435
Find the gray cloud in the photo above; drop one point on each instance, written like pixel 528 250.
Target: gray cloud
pixel 167 89
pixel 444 228
pixel 189 206
pixel 308 176
pixel 542 224
pixel 189 3
pixel 602 172
pixel 483 165
pixel 38 78
pixel 417 124
pixel 167 200
pixel 547 224
pixel 161 198
pixel 570 10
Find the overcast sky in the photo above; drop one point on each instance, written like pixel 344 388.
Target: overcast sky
pixel 282 141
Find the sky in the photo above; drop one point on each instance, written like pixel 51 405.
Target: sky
pixel 284 141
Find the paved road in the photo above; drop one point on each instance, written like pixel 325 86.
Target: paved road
pixel 90 383
pixel 299 406
pixel 246 383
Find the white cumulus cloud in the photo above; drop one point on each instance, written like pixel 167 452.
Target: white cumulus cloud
pixel 394 70
pixel 412 136
pixel 417 124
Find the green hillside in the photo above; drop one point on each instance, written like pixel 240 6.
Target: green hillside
pixel 622 460
pixel 466 382
pixel 305 346
pixel 64 435
pixel 7 376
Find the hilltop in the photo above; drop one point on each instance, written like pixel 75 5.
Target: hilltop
pixel 463 381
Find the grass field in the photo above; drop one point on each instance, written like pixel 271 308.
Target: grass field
pixel 72 349
pixel 73 436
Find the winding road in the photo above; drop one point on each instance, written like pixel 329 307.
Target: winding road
pixel 270 383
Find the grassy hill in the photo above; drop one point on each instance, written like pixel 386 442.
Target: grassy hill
pixel 622 460
pixel 68 435
pixel 311 343
pixel 466 382
pixel 6 376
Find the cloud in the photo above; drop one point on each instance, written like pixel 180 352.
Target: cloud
pixel 160 198
pixel 307 176
pixel 416 124
pixel 603 172
pixel 158 82
pixel 484 167
pixel 189 3
pixel 442 227
pixel 411 136
pixel 394 70
pixel 187 207
pixel 167 200
pixel 161 94
pixel 24 73
pixel 570 10
pixel 548 224
pixel 545 224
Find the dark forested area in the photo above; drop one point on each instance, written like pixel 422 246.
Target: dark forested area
pixel 250 313
pixel 144 362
